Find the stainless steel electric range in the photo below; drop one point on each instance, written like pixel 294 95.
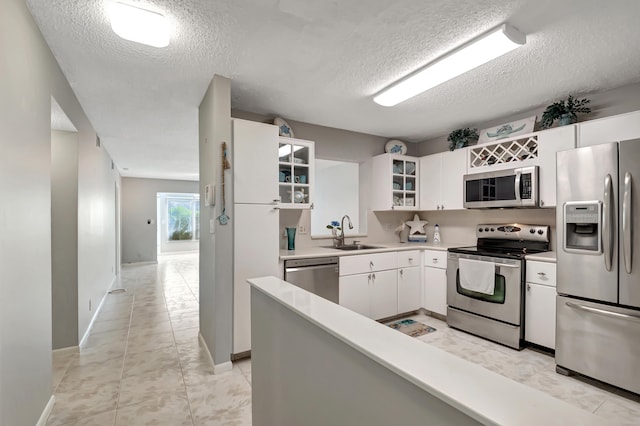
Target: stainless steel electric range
pixel 485 283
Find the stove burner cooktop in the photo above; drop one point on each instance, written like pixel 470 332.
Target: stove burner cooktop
pixel 512 241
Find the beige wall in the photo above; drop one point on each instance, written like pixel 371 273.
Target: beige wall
pixel 64 238
pixel 139 195
pixel 30 77
pixel 216 250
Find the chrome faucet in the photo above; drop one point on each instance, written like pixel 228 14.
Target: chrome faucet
pixel 338 241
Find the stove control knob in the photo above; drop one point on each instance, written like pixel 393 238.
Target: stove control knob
pixel 486 229
pixel 540 231
pixel 533 231
pixel 492 229
pixel 479 229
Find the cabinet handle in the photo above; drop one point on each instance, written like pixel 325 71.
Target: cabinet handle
pixel 401 272
pixel 442 207
pixel 311 206
pixel 528 287
pixel 393 207
pixel 276 208
pixel 276 202
pixel 435 260
pixel 371 264
pixel 542 274
pixel 410 259
pixel 374 278
pixel 369 277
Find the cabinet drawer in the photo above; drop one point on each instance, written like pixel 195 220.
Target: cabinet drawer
pixel 541 273
pixel 408 258
pixel 435 259
pixel 360 264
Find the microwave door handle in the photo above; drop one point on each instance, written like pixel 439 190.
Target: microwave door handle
pixel 627 223
pixel 517 185
pixel 607 223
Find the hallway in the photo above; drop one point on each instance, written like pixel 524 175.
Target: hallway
pixel 143 364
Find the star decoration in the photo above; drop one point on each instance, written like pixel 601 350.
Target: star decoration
pixel 416 225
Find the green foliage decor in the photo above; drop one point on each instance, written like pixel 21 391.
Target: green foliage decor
pixel 460 138
pixel 567 108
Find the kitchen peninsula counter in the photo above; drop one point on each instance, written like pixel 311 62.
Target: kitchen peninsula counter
pixel 383 374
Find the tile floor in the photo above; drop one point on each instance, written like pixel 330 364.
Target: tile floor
pixel 143 364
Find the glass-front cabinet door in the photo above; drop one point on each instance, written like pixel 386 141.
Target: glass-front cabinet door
pixel 404 182
pixel 395 182
pixel 296 173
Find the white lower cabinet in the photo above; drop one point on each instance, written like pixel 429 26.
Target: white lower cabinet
pixel 434 282
pixel 540 304
pixel 354 293
pixel 384 294
pixel 409 289
pixel 369 284
pixel 374 294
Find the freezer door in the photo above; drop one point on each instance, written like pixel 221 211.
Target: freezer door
pixel 629 223
pixel 599 341
pixel 589 176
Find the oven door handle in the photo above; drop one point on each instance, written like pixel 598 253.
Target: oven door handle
pixel 504 265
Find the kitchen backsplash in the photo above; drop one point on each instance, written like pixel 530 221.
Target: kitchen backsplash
pixel 456 226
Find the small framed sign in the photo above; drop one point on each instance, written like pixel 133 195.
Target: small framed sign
pixel 508 130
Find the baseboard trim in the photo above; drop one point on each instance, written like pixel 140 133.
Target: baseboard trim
pixel 68 349
pixel 47 411
pixel 222 368
pixel 83 341
pixel 219 368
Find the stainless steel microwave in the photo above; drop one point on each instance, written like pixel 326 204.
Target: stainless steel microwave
pixel 502 188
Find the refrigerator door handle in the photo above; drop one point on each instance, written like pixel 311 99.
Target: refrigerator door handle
pixel 603 312
pixel 607 223
pixel 627 223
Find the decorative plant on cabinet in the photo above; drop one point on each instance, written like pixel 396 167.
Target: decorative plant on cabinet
pixel 461 137
pixel 565 111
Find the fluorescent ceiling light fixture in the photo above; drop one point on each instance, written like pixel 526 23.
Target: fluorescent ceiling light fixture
pixel 139 25
pixel 489 46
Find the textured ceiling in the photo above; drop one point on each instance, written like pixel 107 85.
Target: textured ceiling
pixel 322 61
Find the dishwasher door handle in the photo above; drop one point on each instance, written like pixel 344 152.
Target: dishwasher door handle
pixel 310 268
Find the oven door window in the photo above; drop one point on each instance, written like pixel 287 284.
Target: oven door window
pixel 498 295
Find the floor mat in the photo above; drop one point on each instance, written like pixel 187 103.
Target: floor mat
pixel 411 328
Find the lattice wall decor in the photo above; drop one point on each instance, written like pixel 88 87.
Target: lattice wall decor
pixel 504 152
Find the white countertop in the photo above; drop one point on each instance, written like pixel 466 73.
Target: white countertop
pixel 547 256
pixel 480 393
pixel 327 251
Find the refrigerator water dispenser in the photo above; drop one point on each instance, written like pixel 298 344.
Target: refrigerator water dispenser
pixel 583 227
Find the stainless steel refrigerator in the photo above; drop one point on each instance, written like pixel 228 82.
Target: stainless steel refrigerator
pixel 598 282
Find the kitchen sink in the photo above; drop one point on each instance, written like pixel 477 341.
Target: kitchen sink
pixel 350 247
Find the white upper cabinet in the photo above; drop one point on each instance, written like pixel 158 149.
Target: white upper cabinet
pixel 441 180
pixel 549 143
pixel 610 129
pixel 255 153
pixel 395 181
pixel 296 173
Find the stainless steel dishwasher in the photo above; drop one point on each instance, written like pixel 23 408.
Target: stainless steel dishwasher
pixel 317 275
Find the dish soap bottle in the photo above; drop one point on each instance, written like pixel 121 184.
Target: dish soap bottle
pixel 436 234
